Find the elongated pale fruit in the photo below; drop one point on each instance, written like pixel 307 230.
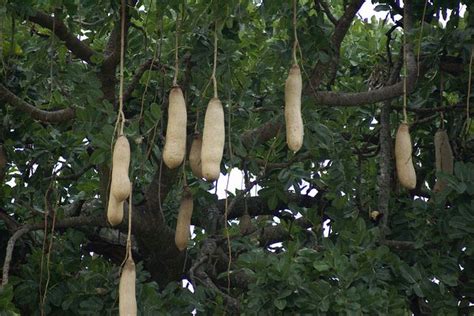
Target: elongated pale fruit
pixel 185 213
pixel 175 145
pixel 195 156
pixel 127 299
pixel 293 119
pixel 444 158
pixel 213 140
pixel 403 150
pixel 114 211
pixel 120 185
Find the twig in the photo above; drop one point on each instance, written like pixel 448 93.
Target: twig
pixel 65 223
pixel 9 252
pixel 230 301
pixel 196 265
pixel 328 12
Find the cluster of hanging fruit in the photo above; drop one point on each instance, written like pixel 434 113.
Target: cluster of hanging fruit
pixel 206 153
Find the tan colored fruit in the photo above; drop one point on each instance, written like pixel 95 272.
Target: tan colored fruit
pixel 175 145
pixel 374 215
pixel 127 299
pixel 213 140
pixel 114 211
pixel 293 119
pixel 120 185
pixel 183 223
pixel 403 150
pixel 195 156
pixel 245 224
pixel 444 158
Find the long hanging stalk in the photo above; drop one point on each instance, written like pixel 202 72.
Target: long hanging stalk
pixel 403 146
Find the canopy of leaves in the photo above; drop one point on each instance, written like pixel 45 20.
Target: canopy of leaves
pixel 331 231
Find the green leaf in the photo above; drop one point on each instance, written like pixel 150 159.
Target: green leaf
pixel 321 266
pixel 280 304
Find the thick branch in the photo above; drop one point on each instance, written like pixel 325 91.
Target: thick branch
pixel 272 234
pixel 373 96
pixel 76 46
pixel 340 31
pixel 261 134
pixel 258 206
pixel 112 55
pixel 41 115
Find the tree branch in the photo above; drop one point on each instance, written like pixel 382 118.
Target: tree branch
pixel 76 46
pixel 149 64
pixel 373 96
pixel 327 11
pixel 340 31
pixel 258 206
pixel 41 115
pixel 261 134
pixel 65 223
pixel 107 74
pixel 160 185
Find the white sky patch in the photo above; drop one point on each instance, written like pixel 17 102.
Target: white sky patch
pixel 367 12
pixel 326 228
pixel 235 179
pixel 236 182
pixel 13 171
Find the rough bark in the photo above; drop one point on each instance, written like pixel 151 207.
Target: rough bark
pixel 76 46
pixel 41 115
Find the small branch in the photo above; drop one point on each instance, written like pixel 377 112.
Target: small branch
pixel 261 134
pixel 73 176
pixel 9 252
pixel 424 119
pixel 327 11
pixel 163 180
pixel 282 165
pixel 208 248
pixel 10 223
pixel 231 302
pixel 455 107
pixel 258 206
pixel 65 223
pixel 37 114
pixel 147 65
pixel 196 265
pixel 76 46
pixel 340 31
pixel 395 7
